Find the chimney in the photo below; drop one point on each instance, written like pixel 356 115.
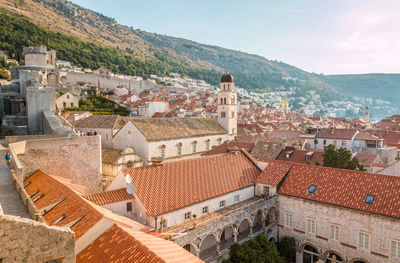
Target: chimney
pixel 156 161
pixel 235 150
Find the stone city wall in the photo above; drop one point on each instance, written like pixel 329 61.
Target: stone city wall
pixel 25 240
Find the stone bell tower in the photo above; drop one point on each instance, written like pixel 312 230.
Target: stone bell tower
pixel 366 114
pixel 227 104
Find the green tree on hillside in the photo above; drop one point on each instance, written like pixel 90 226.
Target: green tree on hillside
pixel 340 158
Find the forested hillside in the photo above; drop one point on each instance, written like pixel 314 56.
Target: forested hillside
pixel 90 39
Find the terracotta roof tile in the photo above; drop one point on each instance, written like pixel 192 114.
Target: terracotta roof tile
pixel 367 159
pixel 299 156
pixel 110 156
pixel 109 197
pixel 225 147
pixel 345 134
pixel 101 122
pixel 173 128
pixel 345 188
pixel 274 172
pixel 366 136
pixel 179 184
pixel 71 205
pixel 124 245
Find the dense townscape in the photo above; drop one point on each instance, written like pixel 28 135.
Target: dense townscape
pixel 148 163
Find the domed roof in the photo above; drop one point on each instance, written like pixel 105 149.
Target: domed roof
pixel 227 78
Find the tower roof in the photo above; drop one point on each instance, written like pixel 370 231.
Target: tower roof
pixel 227 78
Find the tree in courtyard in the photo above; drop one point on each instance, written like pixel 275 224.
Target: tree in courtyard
pixel 340 158
pixel 287 249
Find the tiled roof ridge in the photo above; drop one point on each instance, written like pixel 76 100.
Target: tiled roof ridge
pixel 193 160
pixel 105 197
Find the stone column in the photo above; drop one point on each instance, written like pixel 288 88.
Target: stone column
pixel 251 230
pixel 197 252
pixel 299 257
pixel 218 245
pixel 235 234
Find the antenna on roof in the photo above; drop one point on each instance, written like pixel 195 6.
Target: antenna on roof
pixel 128 178
pixel 130 189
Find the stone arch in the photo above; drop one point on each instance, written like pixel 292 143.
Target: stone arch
pixel 208 247
pixel 227 237
pixel 258 221
pixel 311 253
pixel 271 216
pixel 358 260
pixel 244 229
pixel 272 239
pixel 192 248
pixel 328 252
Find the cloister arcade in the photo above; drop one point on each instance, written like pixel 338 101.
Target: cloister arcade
pixel 311 254
pixel 217 243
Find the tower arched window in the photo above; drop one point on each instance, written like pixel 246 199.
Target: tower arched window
pixel 224 100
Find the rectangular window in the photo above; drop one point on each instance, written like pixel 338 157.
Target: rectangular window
pixel 343 143
pixel 162 153
pixel 315 141
pixel 205 210
pixel 207 145
pixel 334 233
pixel 223 114
pixel 233 114
pixel 395 249
pixel 188 215
pixel 194 147
pixel 363 240
pixel 236 198
pixel 266 190
pixel 288 219
pixel 129 132
pixel 64 104
pixel 324 142
pixel 72 104
pixel 311 226
pixel 129 207
pixel 106 137
pixel 179 150
pixel 221 204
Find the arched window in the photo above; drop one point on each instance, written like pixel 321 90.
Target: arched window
pixel 224 100
pixel 310 254
pixel 331 256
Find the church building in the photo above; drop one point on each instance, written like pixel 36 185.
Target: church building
pixel 182 138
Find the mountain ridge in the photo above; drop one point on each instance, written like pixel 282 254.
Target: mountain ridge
pixel 205 61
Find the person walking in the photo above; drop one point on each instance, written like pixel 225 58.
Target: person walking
pixel 8 158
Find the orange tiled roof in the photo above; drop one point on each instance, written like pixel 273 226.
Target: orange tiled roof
pixel 345 188
pixel 274 173
pixel 299 156
pixel 125 245
pixel 344 134
pixel 109 197
pixel 367 159
pixel 72 206
pixel 179 184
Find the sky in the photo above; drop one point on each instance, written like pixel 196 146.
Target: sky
pixel 321 36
